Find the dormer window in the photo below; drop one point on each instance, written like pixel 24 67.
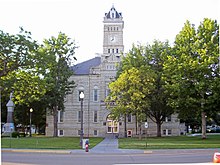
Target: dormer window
pixel 113 15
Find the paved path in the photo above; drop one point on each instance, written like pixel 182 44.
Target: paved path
pixel 110 145
pixel 106 146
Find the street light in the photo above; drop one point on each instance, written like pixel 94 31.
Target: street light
pixel 31 110
pixel 81 96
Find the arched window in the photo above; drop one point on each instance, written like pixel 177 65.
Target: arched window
pixel 112 125
pixel 95 94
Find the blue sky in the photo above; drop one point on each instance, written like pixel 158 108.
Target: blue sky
pixel 82 20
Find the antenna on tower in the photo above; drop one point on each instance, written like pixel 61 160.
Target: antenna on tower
pixel 113 6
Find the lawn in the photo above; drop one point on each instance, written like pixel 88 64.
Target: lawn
pixel 46 142
pixel 180 142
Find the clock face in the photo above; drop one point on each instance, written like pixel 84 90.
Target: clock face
pixel 112 39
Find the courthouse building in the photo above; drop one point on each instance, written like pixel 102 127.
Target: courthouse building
pixel 92 77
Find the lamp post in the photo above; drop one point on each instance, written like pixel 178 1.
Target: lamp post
pixel 31 110
pixel 81 96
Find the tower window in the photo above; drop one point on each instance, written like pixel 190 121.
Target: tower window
pixel 113 51
pixel 113 15
pixel 108 50
pixel 116 50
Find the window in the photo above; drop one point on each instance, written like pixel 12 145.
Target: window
pixel 60 133
pixel 113 15
pixel 168 119
pixel 107 92
pixel 113 51
pixel 164 131
pixel 95 95
pixel 95 132
pixel 79 116
pixel 112 125
pixel 60 116
pixel 108 50
pixel 95 116
pixel 116 50
pixel 169 132
pixel 129 118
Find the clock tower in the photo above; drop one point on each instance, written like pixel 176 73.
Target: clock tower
pixel 113 34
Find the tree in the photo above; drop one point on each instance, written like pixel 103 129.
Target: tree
pixel 129 94
pixel 16 51
pixel 191 73
pixel 61 50
pixel 148 61
pixel 38 74
pixel 155 55
pixel 21 70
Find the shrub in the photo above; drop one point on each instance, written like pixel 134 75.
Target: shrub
pixel 15 134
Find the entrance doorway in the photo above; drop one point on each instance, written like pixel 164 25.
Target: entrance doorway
pixel 112 125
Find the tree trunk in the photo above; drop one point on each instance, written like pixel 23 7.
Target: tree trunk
pixel 125 122
pixel 203 125
pixel 158 129
pixel 140 136
pixel 136 125
pixel 203 115
pixel 55 121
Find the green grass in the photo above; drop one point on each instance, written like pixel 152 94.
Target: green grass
pixel 180 142
pixel 46 142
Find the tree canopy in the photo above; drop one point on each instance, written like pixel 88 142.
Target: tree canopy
pixel 192 71
pixel 139 86
pixel 37 73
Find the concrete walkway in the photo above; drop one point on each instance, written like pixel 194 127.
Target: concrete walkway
pixel 110 145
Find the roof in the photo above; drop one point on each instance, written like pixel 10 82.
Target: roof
pixel 84 67
pixel 113 13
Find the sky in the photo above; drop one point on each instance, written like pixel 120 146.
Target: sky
pixel 82 20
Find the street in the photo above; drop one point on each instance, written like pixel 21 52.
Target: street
pixel 12 158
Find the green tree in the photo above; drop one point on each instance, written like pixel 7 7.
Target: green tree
pixel 148 61
pixel 21 70
pixel 61 50
pixel 192 72
pixel 16 51
pixel 129 94
pixel 159 109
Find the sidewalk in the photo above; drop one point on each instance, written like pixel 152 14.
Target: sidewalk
pixel 110 145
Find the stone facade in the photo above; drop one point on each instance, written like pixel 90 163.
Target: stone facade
pixel 92 78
